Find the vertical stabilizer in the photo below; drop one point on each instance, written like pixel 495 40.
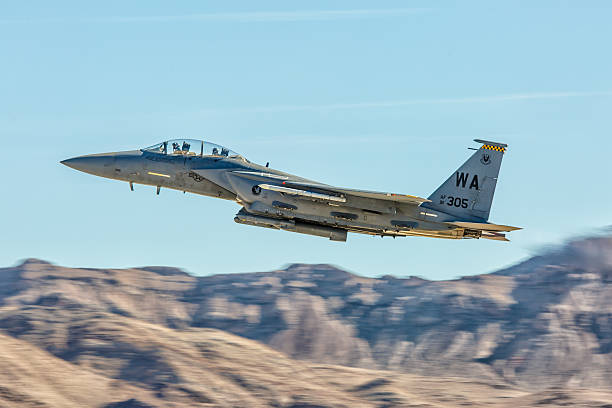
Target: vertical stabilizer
pixel 468 192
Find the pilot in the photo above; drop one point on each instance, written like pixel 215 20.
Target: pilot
pixel 176 147
pixel 215 151
pixel 224 152
pixel 186 146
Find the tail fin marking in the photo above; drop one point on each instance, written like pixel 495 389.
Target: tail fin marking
pixel 468 193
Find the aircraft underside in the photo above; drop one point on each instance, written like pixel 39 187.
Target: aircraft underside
pixel 337 231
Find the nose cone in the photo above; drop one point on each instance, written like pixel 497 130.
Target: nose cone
pixel 96 164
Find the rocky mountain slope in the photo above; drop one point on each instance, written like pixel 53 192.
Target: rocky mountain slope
pixel 111 361
pixel 541 324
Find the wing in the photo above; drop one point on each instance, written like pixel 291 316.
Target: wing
pixel 288 184
pixel 401 198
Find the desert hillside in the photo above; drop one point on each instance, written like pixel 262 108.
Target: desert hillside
pixel 106 360
pixel 309 336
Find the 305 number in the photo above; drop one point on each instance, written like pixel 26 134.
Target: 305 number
pixel 457 202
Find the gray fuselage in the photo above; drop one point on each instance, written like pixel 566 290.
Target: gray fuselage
pixel 274 199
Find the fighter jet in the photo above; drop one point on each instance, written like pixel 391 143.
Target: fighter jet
pixel 269 198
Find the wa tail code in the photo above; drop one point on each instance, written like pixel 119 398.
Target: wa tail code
pixel 462 179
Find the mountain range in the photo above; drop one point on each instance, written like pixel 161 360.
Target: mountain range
pixel 537 333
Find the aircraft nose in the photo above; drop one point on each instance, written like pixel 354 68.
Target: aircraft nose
pixel 97 164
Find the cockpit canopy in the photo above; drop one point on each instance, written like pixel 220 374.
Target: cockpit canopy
pixel 191 147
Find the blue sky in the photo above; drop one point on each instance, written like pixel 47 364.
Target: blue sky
pixel 381 96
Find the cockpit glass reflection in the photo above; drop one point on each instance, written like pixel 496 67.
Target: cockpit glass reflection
pixel 191 147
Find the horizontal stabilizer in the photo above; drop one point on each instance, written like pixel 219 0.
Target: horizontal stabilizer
pixel 496 236
pixel 483 226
